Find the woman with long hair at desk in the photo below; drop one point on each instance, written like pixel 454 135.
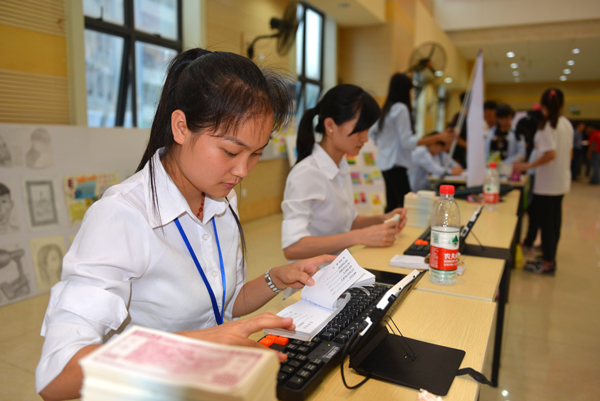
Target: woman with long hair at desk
pixel 165 248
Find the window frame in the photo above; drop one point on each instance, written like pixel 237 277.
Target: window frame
pixel 302 78
pixel 130 37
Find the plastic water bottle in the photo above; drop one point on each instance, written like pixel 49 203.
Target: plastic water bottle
pixel 491 188
pixel 445 227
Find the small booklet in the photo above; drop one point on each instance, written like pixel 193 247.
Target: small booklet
pixel 325 299
pixel 419 262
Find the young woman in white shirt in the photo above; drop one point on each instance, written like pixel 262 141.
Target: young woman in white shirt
pixel 318 206
pixel 165 249
pixel 554 146
pixel 394 137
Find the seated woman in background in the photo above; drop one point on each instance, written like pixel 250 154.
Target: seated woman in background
pixel 503 140
pixel 425 162
pixel 394 136
pixel 319 215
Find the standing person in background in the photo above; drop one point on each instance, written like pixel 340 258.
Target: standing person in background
pixel 554 143
pixel 489 116
pixel 503 139
pixel 319 215
pixel 577 150
pixel 594 154
pixel 394 137
pixel 460 150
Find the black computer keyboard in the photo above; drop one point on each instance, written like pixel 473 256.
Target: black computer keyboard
pixel 421 245
pixel 309 361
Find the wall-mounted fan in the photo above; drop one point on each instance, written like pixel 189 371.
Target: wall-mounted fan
pixel 286 31
pixel 426 63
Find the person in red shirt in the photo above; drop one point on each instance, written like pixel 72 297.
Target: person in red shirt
pixel 594 153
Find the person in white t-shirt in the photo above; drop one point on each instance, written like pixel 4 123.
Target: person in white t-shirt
pixel 164 249
pixel 395 140
pixel 319 215
pixel 553 145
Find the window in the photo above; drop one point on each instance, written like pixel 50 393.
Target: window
pixel 309 56
pixel 128 44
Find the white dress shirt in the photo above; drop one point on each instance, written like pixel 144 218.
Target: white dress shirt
pixel 129 265
pixel 318 199
pixel 554 177
pixel 395 141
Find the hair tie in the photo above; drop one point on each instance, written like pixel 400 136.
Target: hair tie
pixel 552 93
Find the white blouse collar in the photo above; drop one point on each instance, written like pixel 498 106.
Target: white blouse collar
pixel 171 202
pixel 326 163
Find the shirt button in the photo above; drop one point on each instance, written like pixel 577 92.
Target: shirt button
pixel 214 273
pixel 205 237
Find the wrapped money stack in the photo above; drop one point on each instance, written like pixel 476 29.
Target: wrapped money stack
pixel 151 365
pixel 418 208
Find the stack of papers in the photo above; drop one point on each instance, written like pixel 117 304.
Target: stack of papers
pixel 325 299
pixel 419 262
pixel 151 365
pixel 419 207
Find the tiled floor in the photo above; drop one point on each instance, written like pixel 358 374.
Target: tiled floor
pixel 552 329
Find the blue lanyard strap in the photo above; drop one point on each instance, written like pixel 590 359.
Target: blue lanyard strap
pixel 213 300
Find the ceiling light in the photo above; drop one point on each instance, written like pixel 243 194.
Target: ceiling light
pixel 563 78
pixel 575 50
pixel 505 393
pixel 510 54
pixel 448 80
pixel 571 62
pixel 515 73
pixel 439 73
pixel 517 79
pixel 514 65
pixel 566 71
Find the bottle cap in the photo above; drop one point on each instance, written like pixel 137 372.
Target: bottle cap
pixel 493 165
pixel 447 190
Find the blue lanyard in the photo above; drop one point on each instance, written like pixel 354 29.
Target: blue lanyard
pixel 218 316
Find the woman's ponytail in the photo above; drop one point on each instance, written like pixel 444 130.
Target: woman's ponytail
pixel 305 139
pixel 553 100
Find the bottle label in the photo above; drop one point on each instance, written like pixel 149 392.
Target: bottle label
pixel 491 194
pixel 443 252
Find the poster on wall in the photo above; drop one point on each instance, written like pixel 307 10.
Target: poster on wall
pixel 15 281
pixel 83 190
pixel 9 213
pixel 47 254
pixel 41 204
pixel 367 182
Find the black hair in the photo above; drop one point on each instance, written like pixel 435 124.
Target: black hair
pixel 4 189
pixel 217 92
pixel 341 103
pixel 398 92
pixel 440 142
pixel 504 110
pixel 490 105
pixel 553 99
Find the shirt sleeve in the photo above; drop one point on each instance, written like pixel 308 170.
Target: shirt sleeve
pixel 545 141
pixel 423 159
pixel 303 190
pixel 92 298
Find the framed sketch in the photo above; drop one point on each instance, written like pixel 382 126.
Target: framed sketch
pixel 14 280
pixel 41 203
pixel 39 149
pixel 10 147
pixel 47 254
pixel 9 214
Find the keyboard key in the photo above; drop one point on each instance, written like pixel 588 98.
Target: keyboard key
pixel 267 342
pixel 295 382
pixel 291 347
pixel 318 362
pixel 287 370
pixel 281 377
pixel 294 364
pixel 298 342
pixel 311 367
pixel 301 358
pixel 342 339
pixel 291 355
pixel 281 340
pixel 303 350
pixel 305 374
pixel 327 335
